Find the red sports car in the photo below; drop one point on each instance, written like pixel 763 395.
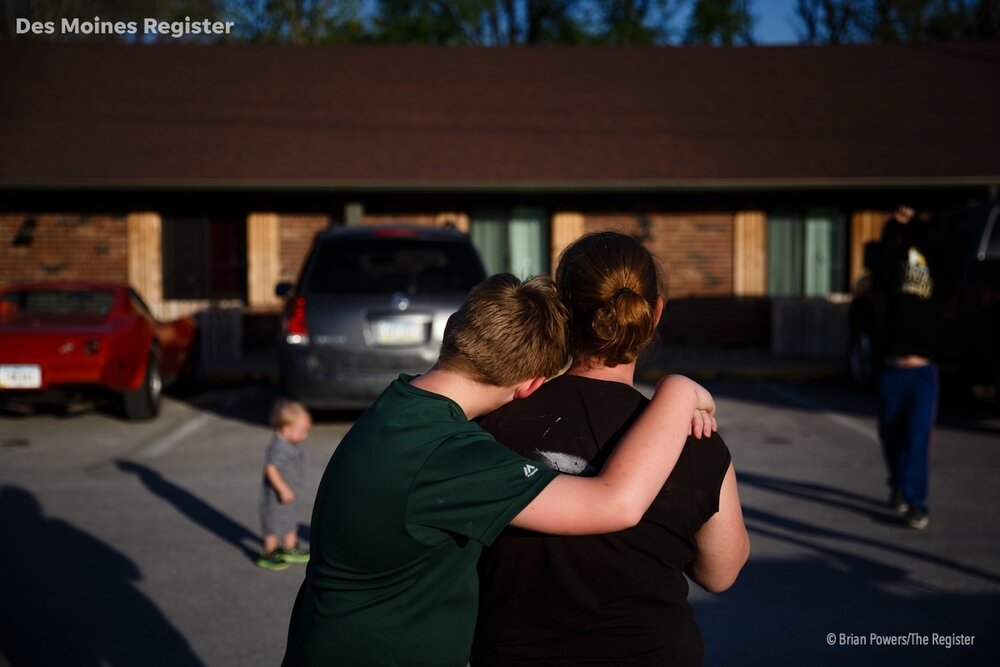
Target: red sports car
pixel 59 339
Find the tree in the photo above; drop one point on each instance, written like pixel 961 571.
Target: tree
pixel 478 22
pixel 907 21
pixel 633 22
pixel 720 23
pixel 830 21
pixel 300 22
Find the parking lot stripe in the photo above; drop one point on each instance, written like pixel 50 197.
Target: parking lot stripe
pixel 824 411
pixel 163 445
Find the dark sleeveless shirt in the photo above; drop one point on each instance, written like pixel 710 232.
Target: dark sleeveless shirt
pixel 615 599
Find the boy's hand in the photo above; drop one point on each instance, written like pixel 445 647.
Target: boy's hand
pixel 287 496
pixel 703 424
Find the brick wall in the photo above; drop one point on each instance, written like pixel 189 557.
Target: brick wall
pixel 297 232
pixel 695 250
pixel 63 247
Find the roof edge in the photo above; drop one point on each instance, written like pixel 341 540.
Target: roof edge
pixel 603 185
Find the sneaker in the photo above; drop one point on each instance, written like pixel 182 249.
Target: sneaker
pixel 917 518
pixel 295 555
pixel 898 503
pixel 272 561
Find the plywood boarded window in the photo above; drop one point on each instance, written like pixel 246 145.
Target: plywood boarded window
pixel 866 226
pixel 566 228
pixel 750 253
pixel 144 258
pixel 263 260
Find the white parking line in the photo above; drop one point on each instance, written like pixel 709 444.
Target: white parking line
pixel 825 412
pixel 165 444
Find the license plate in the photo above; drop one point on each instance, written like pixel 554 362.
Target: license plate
pixel 20 377
pixel 399 332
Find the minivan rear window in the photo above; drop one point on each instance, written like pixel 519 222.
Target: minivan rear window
pixel 409 266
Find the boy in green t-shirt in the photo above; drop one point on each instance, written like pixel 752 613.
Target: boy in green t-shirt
pixel 415 489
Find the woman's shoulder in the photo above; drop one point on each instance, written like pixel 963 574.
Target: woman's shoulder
pixel 710 454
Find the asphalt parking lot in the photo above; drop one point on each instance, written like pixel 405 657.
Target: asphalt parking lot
pixel 133 543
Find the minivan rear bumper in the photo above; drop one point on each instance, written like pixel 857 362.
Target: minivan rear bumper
pixel 317 385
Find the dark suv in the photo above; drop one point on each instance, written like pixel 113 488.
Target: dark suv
pixel 969 340
pixel 369 304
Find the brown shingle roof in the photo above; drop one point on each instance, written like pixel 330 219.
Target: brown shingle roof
pixel 411 116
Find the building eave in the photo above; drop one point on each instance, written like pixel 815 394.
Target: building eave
pixel 363 186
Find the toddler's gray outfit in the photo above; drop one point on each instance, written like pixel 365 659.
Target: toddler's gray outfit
pixel 277 518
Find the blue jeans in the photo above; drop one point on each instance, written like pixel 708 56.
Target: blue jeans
pixel 907 410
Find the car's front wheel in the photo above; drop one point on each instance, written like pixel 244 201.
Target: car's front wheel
pixel 144 402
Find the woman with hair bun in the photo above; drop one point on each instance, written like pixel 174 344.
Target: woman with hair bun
pixel 619 598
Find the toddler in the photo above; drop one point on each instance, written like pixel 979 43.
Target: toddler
pixel 281 485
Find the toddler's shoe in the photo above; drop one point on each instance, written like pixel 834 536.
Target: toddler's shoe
pixel 273 561
pixel 295 555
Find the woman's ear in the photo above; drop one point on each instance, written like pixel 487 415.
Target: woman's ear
pixel 658 311
pixel 528 387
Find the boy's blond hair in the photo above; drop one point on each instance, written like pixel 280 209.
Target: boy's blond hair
pixel 287 412
pixel 507 332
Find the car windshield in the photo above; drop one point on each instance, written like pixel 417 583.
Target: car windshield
pixel 46 302
pixel 410 266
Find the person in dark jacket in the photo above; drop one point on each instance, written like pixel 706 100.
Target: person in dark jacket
pixel 908 316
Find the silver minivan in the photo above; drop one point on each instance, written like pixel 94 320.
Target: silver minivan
pixel 370 303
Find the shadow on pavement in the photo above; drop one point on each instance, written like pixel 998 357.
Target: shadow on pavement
pixel 71 599
pixel 200 512
pixel 196 509
pixel 772 525
pixel 792 612
pixel 823 494
pixel 782 611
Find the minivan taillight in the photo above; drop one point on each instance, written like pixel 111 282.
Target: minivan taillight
pixel 296 330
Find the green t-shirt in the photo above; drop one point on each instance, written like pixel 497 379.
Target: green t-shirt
pixel 408 501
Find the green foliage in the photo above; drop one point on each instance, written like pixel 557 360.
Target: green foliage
pixel 829 21
pixel 906 21
pixel 478 22
pixel 300 22
pixel 633 22
pixel 720 23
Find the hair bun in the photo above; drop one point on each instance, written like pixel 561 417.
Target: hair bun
pixel 622 291
pixel 610 283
